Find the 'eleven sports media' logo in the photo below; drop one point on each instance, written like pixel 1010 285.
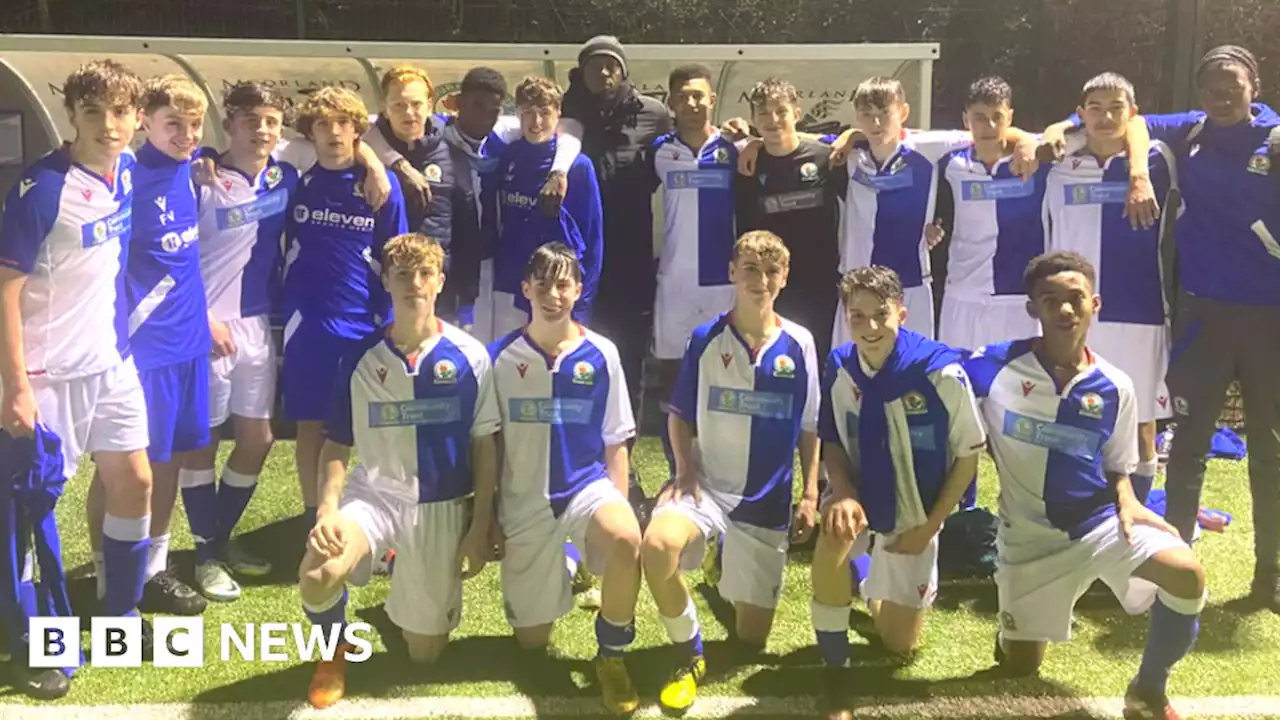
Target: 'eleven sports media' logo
pixel 54 642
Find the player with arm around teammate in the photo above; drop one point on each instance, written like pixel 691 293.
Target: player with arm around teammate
pixel 416 402
pixel 333 294
pixel 242 218
pixel 745 402
pixel 1084 204
pixel 566 419
pixel 1063 429
pixel 902 437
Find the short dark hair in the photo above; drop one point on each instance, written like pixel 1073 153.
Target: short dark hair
pixel 875 279
pixel 102 81
pixel 879 92
pixel 685 73
pixel 775 89
pixel 552 262
pixel 245 96
pixel 484 79
pixel 990 90
pixel 1109 81
pixel 1049 264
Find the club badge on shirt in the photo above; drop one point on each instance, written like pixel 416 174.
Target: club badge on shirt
pixel 809 171
pixel 445 372
pixel 914 404
pixel 273 176
pixel 434 173
pixel 1091 406
pixel 1260 165
pixel 784 367
pixel 583 373
pixel 720 155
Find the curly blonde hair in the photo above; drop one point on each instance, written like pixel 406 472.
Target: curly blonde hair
pixel 412 250
pixel 331 102
pixel 764 245
pixel 102 81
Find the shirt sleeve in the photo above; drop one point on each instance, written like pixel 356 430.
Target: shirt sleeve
pixel 619 422
pixel 299 152
pixel 374 138
pixel 809 419
pixel 508 130
pixel 487 420
pixel 966 436
pixel 30 212
pixel 391 216
pixel 583 204
pixel 933 144
pixel 827 428
pixel 1172 127
pixel 1120 453
pixel 568 148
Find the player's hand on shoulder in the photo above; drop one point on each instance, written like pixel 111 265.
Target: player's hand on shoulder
pixel 736 129
pixel 203 172
pixel 18 416
pixel 328 536
pixel 913 541
pixel 841 148
pixel 1026 159
pixel 804 520
pixel 377 189
pixel 844 518
pixel 1141 205
pixel 552 194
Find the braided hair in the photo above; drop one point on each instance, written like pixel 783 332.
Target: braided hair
pixel 1230 54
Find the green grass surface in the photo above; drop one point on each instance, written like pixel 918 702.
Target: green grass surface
pixel 1238 652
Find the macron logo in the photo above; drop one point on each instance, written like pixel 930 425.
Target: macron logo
pixel 25 186
pixel 329 218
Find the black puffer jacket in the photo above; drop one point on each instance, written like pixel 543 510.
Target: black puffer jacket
pixel 616 131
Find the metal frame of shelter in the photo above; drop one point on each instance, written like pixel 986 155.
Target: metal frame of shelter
pixel 181 50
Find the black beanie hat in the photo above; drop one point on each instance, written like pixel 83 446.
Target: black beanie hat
pixel 603 45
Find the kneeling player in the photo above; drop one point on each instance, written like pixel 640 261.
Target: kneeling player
pixel 902 438
pixel 417 403
pixel 748 383
pixel 1063 425
pixel 567 418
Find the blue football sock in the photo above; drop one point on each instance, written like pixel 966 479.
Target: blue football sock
pixel 200 500
pixel 234 493
pixel 831 627
pixel 125 545
pixel 613 639
pixel 332 616
pixel 692 646
pixel 1169 638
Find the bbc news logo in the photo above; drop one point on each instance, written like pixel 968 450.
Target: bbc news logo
pixel 180 642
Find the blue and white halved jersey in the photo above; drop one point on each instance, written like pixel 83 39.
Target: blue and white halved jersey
pixel 1085 202
pixel 242 222
pixel 558 416
pixel 168 316
pixel 411 418
pixel 68 229
pixel 929 429
pixel 1053 446
pixel 748 409
pixel 888 204
pixel 999 225
pixel 698 208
